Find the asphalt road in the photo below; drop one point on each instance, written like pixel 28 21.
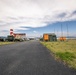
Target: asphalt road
pixel 30 58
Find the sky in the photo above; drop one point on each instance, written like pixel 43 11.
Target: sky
pixel 36 17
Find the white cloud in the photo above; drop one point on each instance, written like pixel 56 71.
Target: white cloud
pixel 35 31
pixel 34 13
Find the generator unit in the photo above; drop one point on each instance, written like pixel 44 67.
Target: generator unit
pixel 49 37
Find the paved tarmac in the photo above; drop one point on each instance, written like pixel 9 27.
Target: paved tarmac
pixel 30 58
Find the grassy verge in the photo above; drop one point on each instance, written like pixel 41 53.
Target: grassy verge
pixel 4 43
pixel 63 51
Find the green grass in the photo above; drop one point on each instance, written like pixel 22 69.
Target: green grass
pixel 64 51
pixel 4 43
pixel 66 56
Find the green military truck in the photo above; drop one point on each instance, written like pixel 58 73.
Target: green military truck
pixel 10 38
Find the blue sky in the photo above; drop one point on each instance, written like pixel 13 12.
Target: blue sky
pixel 35 17
pixel 54 28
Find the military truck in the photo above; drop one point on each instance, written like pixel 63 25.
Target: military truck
pixel 10 38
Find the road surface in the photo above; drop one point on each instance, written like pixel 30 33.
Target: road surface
pixel 30 58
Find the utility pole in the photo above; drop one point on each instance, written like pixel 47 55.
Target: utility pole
pixel 61 31
pixel 57 32
pixel 54 30
pixel 67 30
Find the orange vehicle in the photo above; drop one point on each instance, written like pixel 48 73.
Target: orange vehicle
pixel 46 37
pixel 62 38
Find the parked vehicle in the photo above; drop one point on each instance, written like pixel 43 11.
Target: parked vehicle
pixel 2 38
pixel 10 38
pixel 49 37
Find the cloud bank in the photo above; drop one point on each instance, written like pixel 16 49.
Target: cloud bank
pixel 17 14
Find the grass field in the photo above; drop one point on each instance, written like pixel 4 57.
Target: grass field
pixel 4 43
pixel 63 51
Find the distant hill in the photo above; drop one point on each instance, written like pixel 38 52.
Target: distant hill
pixel 68 37
pixel 71 36
pixel 3 37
